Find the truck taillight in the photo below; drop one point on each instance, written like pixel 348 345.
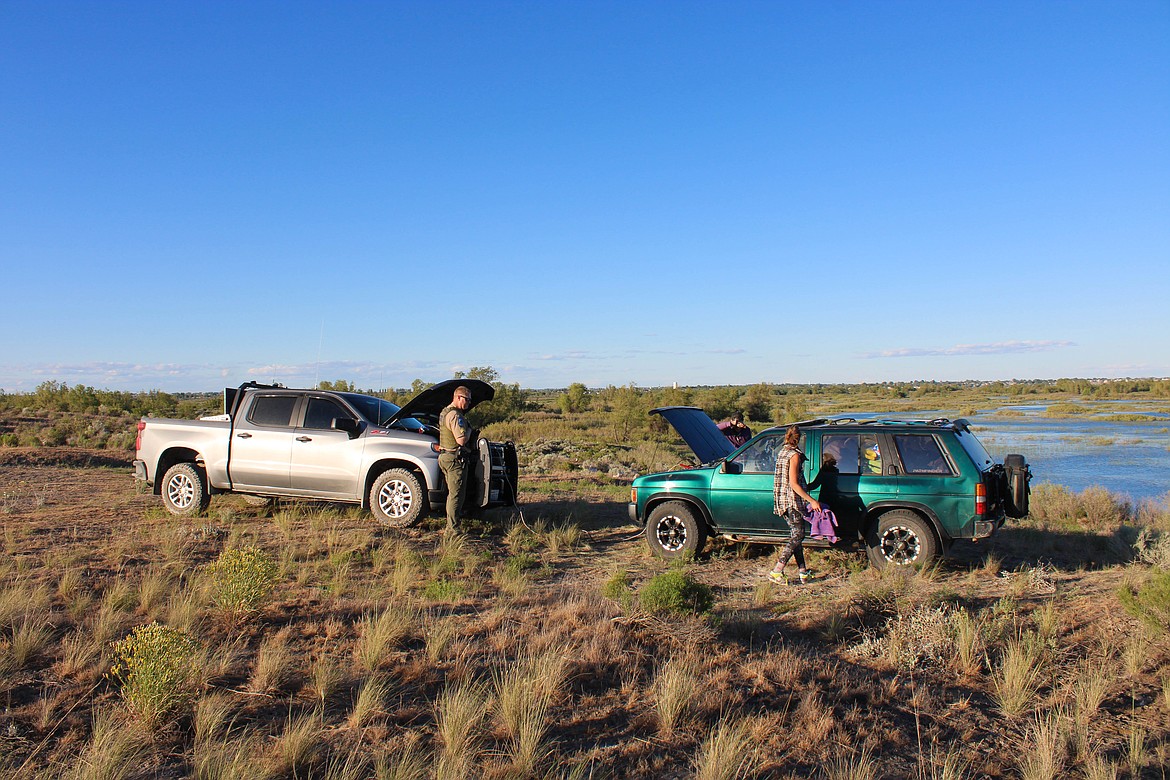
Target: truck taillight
pixel 633 495
pixel 138 438
pixel 980 499
pixel 435 447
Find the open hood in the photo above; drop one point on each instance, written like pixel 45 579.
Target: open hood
pixel 425 406
pixel 698 431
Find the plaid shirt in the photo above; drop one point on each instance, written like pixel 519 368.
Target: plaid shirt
pixel 783 496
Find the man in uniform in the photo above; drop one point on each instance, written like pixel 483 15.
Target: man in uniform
pixel 455 441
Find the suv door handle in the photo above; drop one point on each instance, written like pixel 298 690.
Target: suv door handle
pixel 244 435
pixel 304 438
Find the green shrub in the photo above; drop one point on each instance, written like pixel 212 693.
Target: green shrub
pixel 677 592
pixel 520 563
pixel 157 667
pixel 1150 602
pixel 444 589
pixel 618 588
pixel 242 580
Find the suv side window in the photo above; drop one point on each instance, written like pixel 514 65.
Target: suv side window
pixel 321 411
pixel 871 454
pixel 760 456
pixel 921 454
pixel 844 447
pixel 274 410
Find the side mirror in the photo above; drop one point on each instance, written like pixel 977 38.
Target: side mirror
pixel 732 467
pixel 347 424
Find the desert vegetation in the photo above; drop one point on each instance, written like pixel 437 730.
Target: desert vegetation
pixel 299 640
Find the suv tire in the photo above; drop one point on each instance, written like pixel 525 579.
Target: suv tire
pixel 901 538
pixel 396 498
pixel 673 531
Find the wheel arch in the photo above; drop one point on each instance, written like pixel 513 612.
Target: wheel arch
pixel 874 511
pixel 384 465
pixel 176 455
pixel 701 511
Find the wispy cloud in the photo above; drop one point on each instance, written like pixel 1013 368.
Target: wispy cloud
pixel 570 355
pixel 996 348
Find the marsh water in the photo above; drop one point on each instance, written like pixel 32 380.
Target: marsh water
pixel 1130 458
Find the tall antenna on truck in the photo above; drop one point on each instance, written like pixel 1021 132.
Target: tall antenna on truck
pixel 317 370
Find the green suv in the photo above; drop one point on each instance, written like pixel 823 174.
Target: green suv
pixel 906 489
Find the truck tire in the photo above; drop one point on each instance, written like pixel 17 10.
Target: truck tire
pixel 673 531
pixel 184 490
pixel 901 538
pixel 396 498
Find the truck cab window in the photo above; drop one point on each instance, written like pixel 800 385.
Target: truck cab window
pixel 274 410
pixel 320 413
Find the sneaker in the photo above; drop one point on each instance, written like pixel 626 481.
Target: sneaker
pixel 777 576
pixel 805 575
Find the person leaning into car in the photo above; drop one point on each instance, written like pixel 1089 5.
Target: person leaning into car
pixel 455 440
pixel 791 502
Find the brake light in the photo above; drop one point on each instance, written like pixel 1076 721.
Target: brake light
pixel 435 447
pixel 138 438
pixel 980 499
pixel 633 495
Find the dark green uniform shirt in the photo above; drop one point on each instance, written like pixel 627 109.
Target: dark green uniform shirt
pixel 447 422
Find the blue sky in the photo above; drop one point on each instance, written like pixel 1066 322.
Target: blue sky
pixel 194 195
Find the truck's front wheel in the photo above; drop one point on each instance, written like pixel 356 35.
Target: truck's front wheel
pixel 396 498
pixel 674 531
pixel 184 490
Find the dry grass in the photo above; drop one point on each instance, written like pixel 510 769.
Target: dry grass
pixel 676 684
pixel 1017 677
pixel 360 666
pixel 379 634
pixel 726 753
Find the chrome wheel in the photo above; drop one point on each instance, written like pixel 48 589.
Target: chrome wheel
pixel 181 490
pixel 396 499
pixel 671 533
pixel 901 545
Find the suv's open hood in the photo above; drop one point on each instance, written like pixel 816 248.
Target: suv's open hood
pixel 698 431
pixel 426 406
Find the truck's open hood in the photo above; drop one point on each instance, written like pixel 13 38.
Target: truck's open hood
pixel 426 406
pixel 698 431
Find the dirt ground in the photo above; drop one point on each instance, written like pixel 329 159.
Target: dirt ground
pixel 82 509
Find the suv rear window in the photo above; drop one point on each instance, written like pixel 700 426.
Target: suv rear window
pixel 974 448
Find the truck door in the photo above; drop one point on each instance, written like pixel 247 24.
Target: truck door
pixel 261 446
pixel 325 462
pixel 852 474
pixel 741 489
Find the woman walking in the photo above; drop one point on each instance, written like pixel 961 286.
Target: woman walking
pixel 790 494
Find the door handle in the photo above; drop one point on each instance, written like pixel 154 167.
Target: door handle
pixel 304 438
pixel 244 435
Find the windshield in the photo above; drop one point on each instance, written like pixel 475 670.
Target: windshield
pixel 379 412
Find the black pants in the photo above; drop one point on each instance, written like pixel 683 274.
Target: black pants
pixel 795 543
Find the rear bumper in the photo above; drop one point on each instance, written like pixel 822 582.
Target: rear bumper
pixel 140 471
pixel 986 528
pixel 633 510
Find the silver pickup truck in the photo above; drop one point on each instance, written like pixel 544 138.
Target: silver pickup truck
pixel 277 442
